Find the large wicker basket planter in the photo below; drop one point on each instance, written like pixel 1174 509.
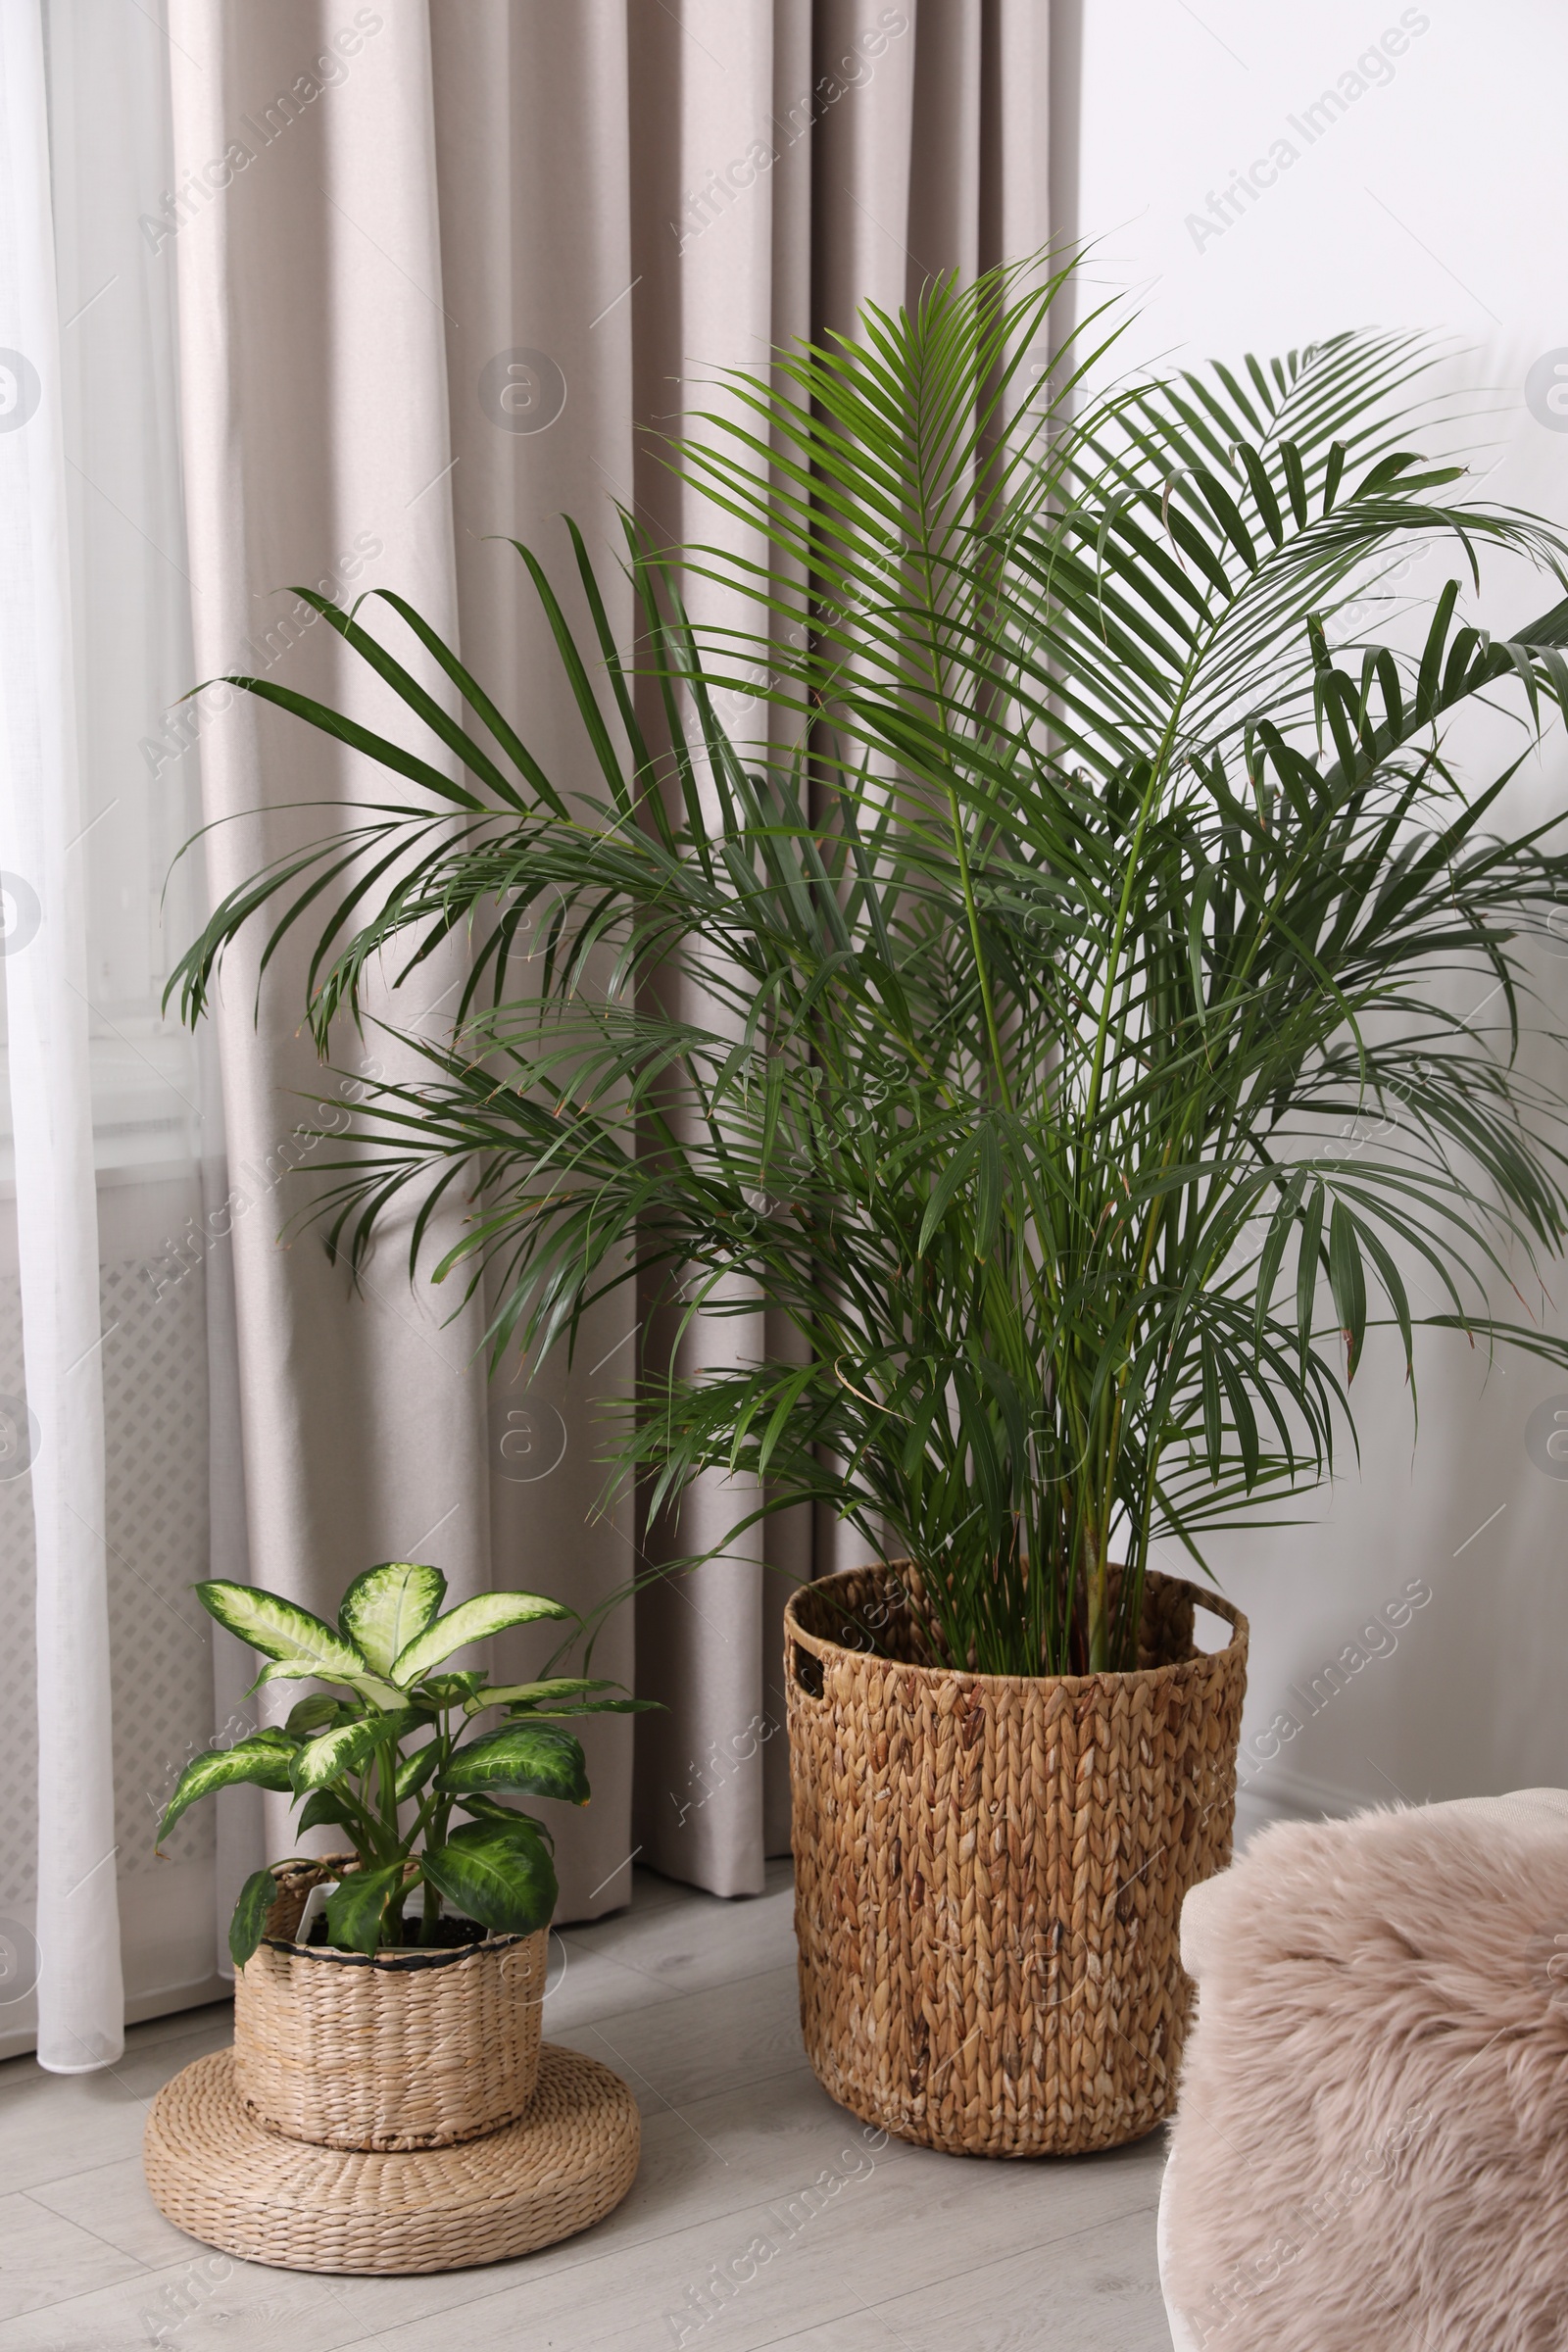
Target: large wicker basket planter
pixel 410 2049
pixel 989 1870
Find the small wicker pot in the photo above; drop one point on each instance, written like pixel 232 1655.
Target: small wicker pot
pixel 989 1869
pixel 408 2049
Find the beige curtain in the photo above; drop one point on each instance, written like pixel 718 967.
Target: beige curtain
pixel 440 260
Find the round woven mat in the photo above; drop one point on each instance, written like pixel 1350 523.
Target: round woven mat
pixel 225 2178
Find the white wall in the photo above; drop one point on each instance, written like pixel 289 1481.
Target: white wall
pixel 1436 199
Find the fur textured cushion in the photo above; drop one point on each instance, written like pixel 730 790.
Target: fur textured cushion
pixel 1370 2152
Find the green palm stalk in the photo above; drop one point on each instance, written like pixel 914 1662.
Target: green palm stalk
pixel 1026 993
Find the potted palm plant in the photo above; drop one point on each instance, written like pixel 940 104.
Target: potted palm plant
pixel 976 951
pixel 360 2026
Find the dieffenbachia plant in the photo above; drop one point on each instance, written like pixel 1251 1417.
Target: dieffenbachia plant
pixel 395 1742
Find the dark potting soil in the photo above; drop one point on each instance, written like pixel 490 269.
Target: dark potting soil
pixel 448 1934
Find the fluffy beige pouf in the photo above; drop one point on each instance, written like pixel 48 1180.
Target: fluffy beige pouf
pixel 1371 2141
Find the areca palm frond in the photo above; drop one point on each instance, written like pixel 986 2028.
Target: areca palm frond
pixel 1073 1031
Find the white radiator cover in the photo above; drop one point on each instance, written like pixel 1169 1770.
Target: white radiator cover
pixel 156 1445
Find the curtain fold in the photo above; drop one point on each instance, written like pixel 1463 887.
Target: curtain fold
pixel 796 162
pixel 57 1433
pixel 316 454
pixel 447 273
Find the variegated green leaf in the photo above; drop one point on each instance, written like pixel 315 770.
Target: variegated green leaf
pixel 570 1708
pixel 416 1770
pixel 520 1694
pixel 357 1906
pixel 470 1621
pixel 449 1690
pixel 387 1608
pixel 367 1686
pixel 530 1757
pixel 325 1810
pixel 316 1713
pixel 497 1873
pixel 330 1756
pixel 486 1808
pixel 249 1923
pixel 263 1760
pixel 298 1643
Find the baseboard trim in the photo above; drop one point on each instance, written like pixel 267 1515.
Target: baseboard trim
pixel 164 2001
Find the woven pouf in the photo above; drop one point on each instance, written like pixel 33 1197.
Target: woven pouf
pixel 989 1868
pixel 223 2178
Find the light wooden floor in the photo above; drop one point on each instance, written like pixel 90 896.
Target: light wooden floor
pixel 693 2001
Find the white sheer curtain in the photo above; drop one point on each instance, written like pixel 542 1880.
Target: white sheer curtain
pixel 61 1425
pixel 106 1667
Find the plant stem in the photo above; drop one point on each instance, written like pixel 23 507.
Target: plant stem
pixel 1099 1605
pixel 386 1757
pixel 433 1823
pixel 966 883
